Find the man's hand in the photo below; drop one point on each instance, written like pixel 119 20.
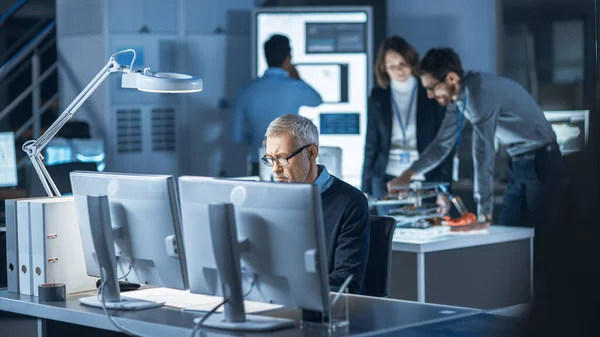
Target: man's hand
pixel 443 203
pixel 403 179
pixel 485 219
pixel 476 226
pixel 292 72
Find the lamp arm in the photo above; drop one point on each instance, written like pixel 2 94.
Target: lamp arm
pixel 33 148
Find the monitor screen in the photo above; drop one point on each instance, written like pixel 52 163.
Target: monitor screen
pixel 331 48
pixel 8 160
pixel 145 219
pixel 330 80
pixel 571 129
pixel 335 37
pixel 283 228
pixel 339 123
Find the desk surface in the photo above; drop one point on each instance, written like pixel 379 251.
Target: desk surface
pixel 497 234
pixel 479 325
pixel 368 316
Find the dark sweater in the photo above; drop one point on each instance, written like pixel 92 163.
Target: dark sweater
pixel 347 234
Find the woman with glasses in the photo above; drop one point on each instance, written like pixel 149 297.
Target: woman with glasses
pixel 402 121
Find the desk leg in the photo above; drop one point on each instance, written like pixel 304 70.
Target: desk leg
pixel 41 327
pixel 531 268
pixel 421 277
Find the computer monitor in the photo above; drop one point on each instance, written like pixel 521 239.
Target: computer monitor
pixel 89 150
pixel 141 213
pixel 330 80
pixel 571 128
pixel 8 160
pixel 280 227
pixel 332 50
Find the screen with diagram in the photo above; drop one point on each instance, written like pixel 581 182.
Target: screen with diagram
pixel 331 50
pixel 8 160
pixel 330 80
pixel 330 37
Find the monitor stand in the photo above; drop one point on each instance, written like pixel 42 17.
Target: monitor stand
pixel 227 255
pixel 102 236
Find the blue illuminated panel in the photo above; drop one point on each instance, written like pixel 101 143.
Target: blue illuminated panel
pixel 339 123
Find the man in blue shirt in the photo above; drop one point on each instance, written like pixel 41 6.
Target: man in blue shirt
pixel 278 92
pixel 292 143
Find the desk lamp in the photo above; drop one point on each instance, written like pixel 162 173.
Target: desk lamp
pixel 143 80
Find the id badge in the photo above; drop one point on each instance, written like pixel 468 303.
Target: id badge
pixel 405 158
pixel 455 165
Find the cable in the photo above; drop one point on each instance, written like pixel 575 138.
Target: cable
pixel 129 271
pixel 205 317
pixel 114 322
pixel 250 290
pixel 342 289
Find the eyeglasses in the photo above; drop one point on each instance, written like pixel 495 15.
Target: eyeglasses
pixel 396 67
pixel 431 89
pixel 270 162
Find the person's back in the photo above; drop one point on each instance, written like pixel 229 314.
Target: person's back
pixel 347 227
pixel 521 122
pixel 274 94
pixel 278 92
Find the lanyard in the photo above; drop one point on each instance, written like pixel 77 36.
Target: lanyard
pixel 460 118
pixel 404 126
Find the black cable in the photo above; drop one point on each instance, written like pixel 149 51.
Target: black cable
pixel 205 317
pixel 129 271
pixel 249 290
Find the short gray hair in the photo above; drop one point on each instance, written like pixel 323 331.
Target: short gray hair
pixel 302 128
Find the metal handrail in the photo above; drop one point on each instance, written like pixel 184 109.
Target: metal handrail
pixel 27 91
pixel 12 10
pixel 13 74
pixel 26 50
pixel 24 38
pixel 29 122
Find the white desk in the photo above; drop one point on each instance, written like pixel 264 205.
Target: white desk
pixel 485 271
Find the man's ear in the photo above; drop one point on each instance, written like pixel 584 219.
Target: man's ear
pixel 453 78
pixel 313 152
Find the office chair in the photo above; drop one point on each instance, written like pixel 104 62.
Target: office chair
pixel 379 265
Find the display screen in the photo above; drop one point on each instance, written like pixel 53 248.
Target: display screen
pixel 339 123
pixel 8 160
pixel 571 129
pixel 335 37
pixel 329 80
pixel 331 51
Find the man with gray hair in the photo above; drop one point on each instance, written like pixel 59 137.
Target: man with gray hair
pixel 292 143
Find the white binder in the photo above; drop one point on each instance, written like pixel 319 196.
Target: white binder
pixel 13 268
pixel 56 248
pixel 24 248
pixel 12 246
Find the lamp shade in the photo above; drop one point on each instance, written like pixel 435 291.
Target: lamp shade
pixel 161 82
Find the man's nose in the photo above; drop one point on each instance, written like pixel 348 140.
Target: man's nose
pixel 276 167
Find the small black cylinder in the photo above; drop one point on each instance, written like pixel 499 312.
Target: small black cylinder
pixel 52 292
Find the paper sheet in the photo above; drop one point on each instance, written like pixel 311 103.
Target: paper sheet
pixel 183 299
